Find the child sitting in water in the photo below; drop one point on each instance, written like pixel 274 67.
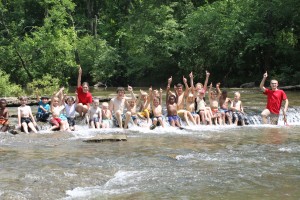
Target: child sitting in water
pixel 131 106
pixel 3 115
pixel 107 121
pixel 58 120
pixel 94 115
pixel 70 106
pixel 144 104
pixel 214 104
pixel 190 106
pixel 171 103
pixel 237 110
pixel 43 112
pixel 224 102
pixel 25 117
pixel 156 109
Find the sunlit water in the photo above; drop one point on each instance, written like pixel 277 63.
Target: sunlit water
pixel 204 162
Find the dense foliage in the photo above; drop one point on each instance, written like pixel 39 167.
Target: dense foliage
pixel 142 43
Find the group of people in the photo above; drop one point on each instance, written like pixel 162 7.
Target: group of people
pixel 185 104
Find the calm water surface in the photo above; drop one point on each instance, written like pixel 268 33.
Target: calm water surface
pixel 224 162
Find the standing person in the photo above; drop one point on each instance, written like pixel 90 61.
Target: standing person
pixel 3 115
pixel 274 101
pixel 83 94
pixel 116 106
pixel 25 117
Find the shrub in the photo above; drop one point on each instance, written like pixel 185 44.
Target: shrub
pixel 7 88
pixel 46 85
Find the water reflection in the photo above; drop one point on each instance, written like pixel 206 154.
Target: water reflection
pixel 274 135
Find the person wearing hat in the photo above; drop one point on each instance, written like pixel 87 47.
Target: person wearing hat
pixel 43 109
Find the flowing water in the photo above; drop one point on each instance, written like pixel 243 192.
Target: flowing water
pixel 204 162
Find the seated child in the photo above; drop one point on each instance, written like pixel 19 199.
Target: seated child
pixel 156 109
pixel 144 104
pixel 237 110
pixel 171 103
pixel 224 106
pixel 43 112
pixel 131 106
pixel 190 106
pixel 70 106
pixel 25 117
pixel 3 115
pixel 58 120
pixel 107 121
pixel 201 108
pixel 214 105
pixel 94 115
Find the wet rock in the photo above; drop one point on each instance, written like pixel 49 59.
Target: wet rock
pixel 107 137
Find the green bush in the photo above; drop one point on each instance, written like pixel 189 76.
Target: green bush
pixel 45 85
pixel 7 88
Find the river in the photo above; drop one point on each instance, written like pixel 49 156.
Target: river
pixel 203 162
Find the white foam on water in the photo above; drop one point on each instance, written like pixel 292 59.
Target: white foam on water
pixel 184 157
pixel 89 133
pixel 122 182
pixel 284 149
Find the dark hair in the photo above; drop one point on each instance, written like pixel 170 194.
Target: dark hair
pixel 70 98
pixel 3 100
pixel 179 85
pixel 120 89
pixel 44 97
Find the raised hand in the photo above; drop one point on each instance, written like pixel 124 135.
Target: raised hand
pixel 191 75
pixel 80 70
pixel 129 88
pixel 265 75
pixel 218 85
pixel 207 73
pixel 184 79
pixel 170 80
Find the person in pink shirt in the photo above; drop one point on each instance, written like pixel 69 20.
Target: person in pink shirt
pixel 84 96
pixel 275 97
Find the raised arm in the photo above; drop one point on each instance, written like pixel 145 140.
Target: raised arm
pixel 79 76
pixel 218 90
pixel 209 92
pixel 168 89
pixel 186 92
pixel 130 90
pixel 160 96
pixel 192 81
pixel 206 80
pixel 262 83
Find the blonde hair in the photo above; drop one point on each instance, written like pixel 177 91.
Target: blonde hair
pixel 237 94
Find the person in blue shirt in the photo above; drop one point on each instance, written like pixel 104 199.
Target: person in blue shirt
pixel 43 109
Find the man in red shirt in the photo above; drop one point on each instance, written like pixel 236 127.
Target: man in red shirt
pixel 275 98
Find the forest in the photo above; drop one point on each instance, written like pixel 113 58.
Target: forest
pixel 143 42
